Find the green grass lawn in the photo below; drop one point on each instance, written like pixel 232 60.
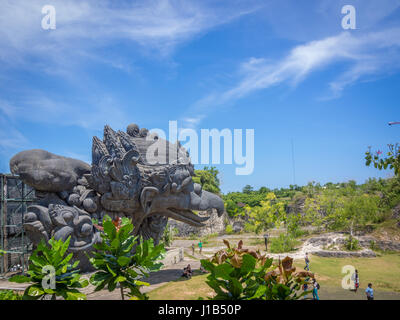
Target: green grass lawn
pixel 183 289
pixel 383 272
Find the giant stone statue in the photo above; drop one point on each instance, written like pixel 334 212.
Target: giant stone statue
pixel 126 178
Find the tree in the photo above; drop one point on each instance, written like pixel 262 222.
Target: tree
pixel 344 209
pixel 208 179
pixel 50 265
pixel 355 211
pixel 263 190
pixel 247 189
pixel 392 159
pixel 117 264
pixel 270 213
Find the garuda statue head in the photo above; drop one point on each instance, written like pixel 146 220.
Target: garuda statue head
pixel 134 174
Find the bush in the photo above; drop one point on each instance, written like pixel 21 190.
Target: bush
pixel 243 274
pixel 373 246
pixel 115 262
pixel 229 229
pixel 283 243
pixel 49 263
pixel 351 244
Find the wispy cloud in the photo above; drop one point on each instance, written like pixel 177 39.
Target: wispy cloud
pixel 370 54
pixel 90 32
pixel 84 25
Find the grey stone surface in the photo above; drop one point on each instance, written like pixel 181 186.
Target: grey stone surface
pixel 46 171
pixel 345 254
pixel 215 224
pixel 133 174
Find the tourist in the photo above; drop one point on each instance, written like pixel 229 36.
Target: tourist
pixel 369 292
pixel 266 241
pixel 187 272
pixel 192 249
pixel 356 281
pixel 200 246
pixel 307 260
pixel 315 289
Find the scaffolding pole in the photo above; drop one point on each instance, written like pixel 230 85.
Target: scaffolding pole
pixel 13 209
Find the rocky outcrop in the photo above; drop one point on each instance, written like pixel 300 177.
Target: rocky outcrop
pixel 330 244
pixel 385 245
pixel 214 224
pixel 367 253
pixel 396 212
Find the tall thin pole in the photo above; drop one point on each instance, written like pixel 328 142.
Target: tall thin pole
pixel 293 163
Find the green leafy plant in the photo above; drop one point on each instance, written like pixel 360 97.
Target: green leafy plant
pixel 373 246
pixel 392 159
pixel 9 295
pixel 50 265
pixel 121 260
pixel 243 274
pixel 351 244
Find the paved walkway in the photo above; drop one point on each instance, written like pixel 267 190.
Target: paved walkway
pixel 156 279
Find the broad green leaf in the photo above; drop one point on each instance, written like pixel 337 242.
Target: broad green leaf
pixel 109 229
pixel 123 261
pixel 120 279
pixel 248 264
pixel 35 291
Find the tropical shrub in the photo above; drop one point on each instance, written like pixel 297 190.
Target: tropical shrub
pixel 117 264
pixel 50 265
pixel 351 244
pixel 242 274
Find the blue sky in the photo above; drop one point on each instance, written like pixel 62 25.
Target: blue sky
pixel 286 69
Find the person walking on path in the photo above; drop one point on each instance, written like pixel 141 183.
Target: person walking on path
pixel 200 246
pixel 315 290
pixel 356 281
pixel 266 236
pixel 369 292
pixel 307 260
pixel 192 249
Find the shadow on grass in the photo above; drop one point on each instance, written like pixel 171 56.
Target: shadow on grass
pixel 170 275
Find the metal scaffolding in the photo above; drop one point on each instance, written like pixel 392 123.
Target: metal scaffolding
pixel 15 197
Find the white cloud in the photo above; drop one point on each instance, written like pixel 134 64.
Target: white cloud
pixel 83 29
pixel 83 25
pixel 370 54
